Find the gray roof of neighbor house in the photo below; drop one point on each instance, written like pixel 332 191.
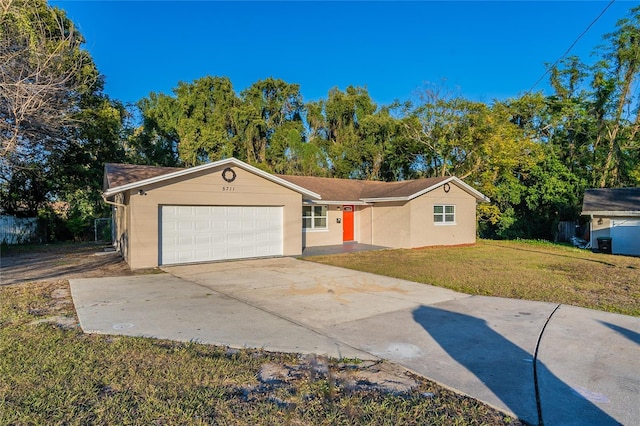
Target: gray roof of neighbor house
pixel 120 177
pixel 612 201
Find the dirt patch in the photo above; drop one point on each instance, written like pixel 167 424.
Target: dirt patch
pixel 61 262
pixel 380 376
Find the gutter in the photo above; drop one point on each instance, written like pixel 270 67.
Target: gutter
pixel 612 213
pixel 112 203
pixel 335 203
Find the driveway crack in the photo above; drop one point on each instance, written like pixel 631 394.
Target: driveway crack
pixel 535 366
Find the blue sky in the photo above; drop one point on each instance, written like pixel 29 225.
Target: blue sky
pixel 481 50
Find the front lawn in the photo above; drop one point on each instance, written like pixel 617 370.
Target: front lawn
pixel 531 270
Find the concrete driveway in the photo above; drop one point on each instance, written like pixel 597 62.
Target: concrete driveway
pixel 537 361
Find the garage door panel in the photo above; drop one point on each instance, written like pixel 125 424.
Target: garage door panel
pixel 203 240
pixel 218 238
pixel 184 240
pixel 234 238
pixel 625 234
pixel 186 226
pixel 203 226
pixel 205 233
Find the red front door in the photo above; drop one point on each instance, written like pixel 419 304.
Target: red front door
pixel 347 223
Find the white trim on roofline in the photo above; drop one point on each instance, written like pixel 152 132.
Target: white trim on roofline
pixel 459 183
pixel 227 161
pixel 613 213
pixel 335 203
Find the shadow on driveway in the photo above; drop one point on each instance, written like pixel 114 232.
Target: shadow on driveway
pixel 629 334
pixel 505 368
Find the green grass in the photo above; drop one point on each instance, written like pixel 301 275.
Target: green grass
pixel 57 375
pixel 532 270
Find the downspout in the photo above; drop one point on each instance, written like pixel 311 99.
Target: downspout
pixel 371 224
pixel 114 237
pixel 113 203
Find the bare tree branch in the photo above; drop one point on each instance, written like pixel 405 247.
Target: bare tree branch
pixel 40 77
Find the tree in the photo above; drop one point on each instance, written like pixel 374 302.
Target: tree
pixel 44 77
pixel 156 141
pixel 288 153
pixel 450 133
pixel 623 67
pixel 44 72
pixel 204 120
pixel 334 126
pixel 77 171
pixel 268 105
pixel 196 125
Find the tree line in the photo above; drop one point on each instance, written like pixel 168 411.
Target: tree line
pixel 533 155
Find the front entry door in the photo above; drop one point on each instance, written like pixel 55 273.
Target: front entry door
pixel 347 223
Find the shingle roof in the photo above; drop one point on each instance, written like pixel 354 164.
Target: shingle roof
pixel 611 200
pixel 333 189
pixel 330 189
pixel 122 174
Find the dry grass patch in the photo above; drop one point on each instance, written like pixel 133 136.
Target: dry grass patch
pixel 52 373
pixel 529 270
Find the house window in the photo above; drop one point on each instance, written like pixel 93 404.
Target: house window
pixel 314 217
pixel 444 214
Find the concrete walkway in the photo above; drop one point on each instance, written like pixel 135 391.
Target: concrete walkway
pixel 578 367
pixel 346 247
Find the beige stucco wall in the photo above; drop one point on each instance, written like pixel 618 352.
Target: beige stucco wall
pixel 432 234
pixel 362 224
pixel 410 224
pixel 333 235
pixel 324 237
pixel 207 188
pixel 391 224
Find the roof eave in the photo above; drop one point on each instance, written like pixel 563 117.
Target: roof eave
pixel 310 194
pixel 385 199
pixel 467 188
pixel 616 213
pixel 337 202
pixel 459 183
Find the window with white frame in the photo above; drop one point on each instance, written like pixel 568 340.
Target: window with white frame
pixel 314 217
pixel 444 214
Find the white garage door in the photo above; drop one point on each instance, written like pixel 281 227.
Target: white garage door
pixel 204 233
pixel 625 236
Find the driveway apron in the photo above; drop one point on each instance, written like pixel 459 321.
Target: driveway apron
pixel 585 369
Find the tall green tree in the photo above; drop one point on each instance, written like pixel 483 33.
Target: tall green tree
pixel 620 69
pixel 155 141
pixel 268 106
pixel 334 125
pixel 78 169
pixel 195 126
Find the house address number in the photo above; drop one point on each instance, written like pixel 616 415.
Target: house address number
pixel 229 188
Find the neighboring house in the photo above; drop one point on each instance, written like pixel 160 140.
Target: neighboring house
pixel 231 210
pixel 615 214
